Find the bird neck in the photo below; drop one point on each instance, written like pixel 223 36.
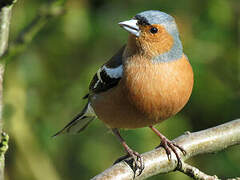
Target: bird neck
pixel 175 53
pixel 157 52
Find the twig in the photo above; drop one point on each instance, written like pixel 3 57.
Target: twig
pixel 195 173
pixel 156 162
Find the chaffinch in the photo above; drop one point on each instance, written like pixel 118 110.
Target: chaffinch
pixel 147 81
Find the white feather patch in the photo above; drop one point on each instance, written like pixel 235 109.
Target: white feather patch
pixel 96 84
pixel 114 72
pixel 89 111
pixel 98 75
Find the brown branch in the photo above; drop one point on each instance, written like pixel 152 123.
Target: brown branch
pixel 156 162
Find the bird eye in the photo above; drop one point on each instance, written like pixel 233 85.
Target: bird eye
pixel 153 30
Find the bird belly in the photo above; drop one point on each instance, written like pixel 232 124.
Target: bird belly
pixel 146 95
pixel 113 108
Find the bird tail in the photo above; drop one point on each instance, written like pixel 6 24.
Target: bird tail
pixel 79 122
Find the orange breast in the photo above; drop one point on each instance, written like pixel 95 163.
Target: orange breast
pixel 147 94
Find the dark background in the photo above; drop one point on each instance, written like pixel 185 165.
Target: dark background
pixel 43 86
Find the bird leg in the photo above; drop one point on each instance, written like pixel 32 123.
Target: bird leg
pixel 137 160
pixel 168 146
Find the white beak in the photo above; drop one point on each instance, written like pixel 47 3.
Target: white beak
pixel 131 26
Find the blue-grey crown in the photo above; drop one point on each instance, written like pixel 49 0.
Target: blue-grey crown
pixel 155 17
pixel 168 22
pixel 158 17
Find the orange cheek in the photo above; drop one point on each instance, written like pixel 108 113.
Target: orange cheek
pixel 155 44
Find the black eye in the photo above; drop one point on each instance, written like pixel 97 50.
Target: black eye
pixel 153 30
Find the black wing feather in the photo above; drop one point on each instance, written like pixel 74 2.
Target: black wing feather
pixel 106 82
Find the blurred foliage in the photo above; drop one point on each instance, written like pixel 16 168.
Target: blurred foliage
pixel 45 84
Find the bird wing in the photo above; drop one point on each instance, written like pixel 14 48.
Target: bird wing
pixel 108 75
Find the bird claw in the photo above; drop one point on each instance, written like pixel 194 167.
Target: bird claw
pixel 169 146
pixel 136 162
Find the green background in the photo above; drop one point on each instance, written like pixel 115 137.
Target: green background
pixel 43 86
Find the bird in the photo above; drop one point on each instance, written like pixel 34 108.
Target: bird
pixel 147 81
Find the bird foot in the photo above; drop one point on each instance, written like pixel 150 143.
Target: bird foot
pixel 136 162
pixel 168 145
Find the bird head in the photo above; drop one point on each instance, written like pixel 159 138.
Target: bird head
pixel 155 33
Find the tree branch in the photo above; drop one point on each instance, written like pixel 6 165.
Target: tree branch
pixel 156 162
pixel 52 9
pixel 5 18
pixel 195 173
